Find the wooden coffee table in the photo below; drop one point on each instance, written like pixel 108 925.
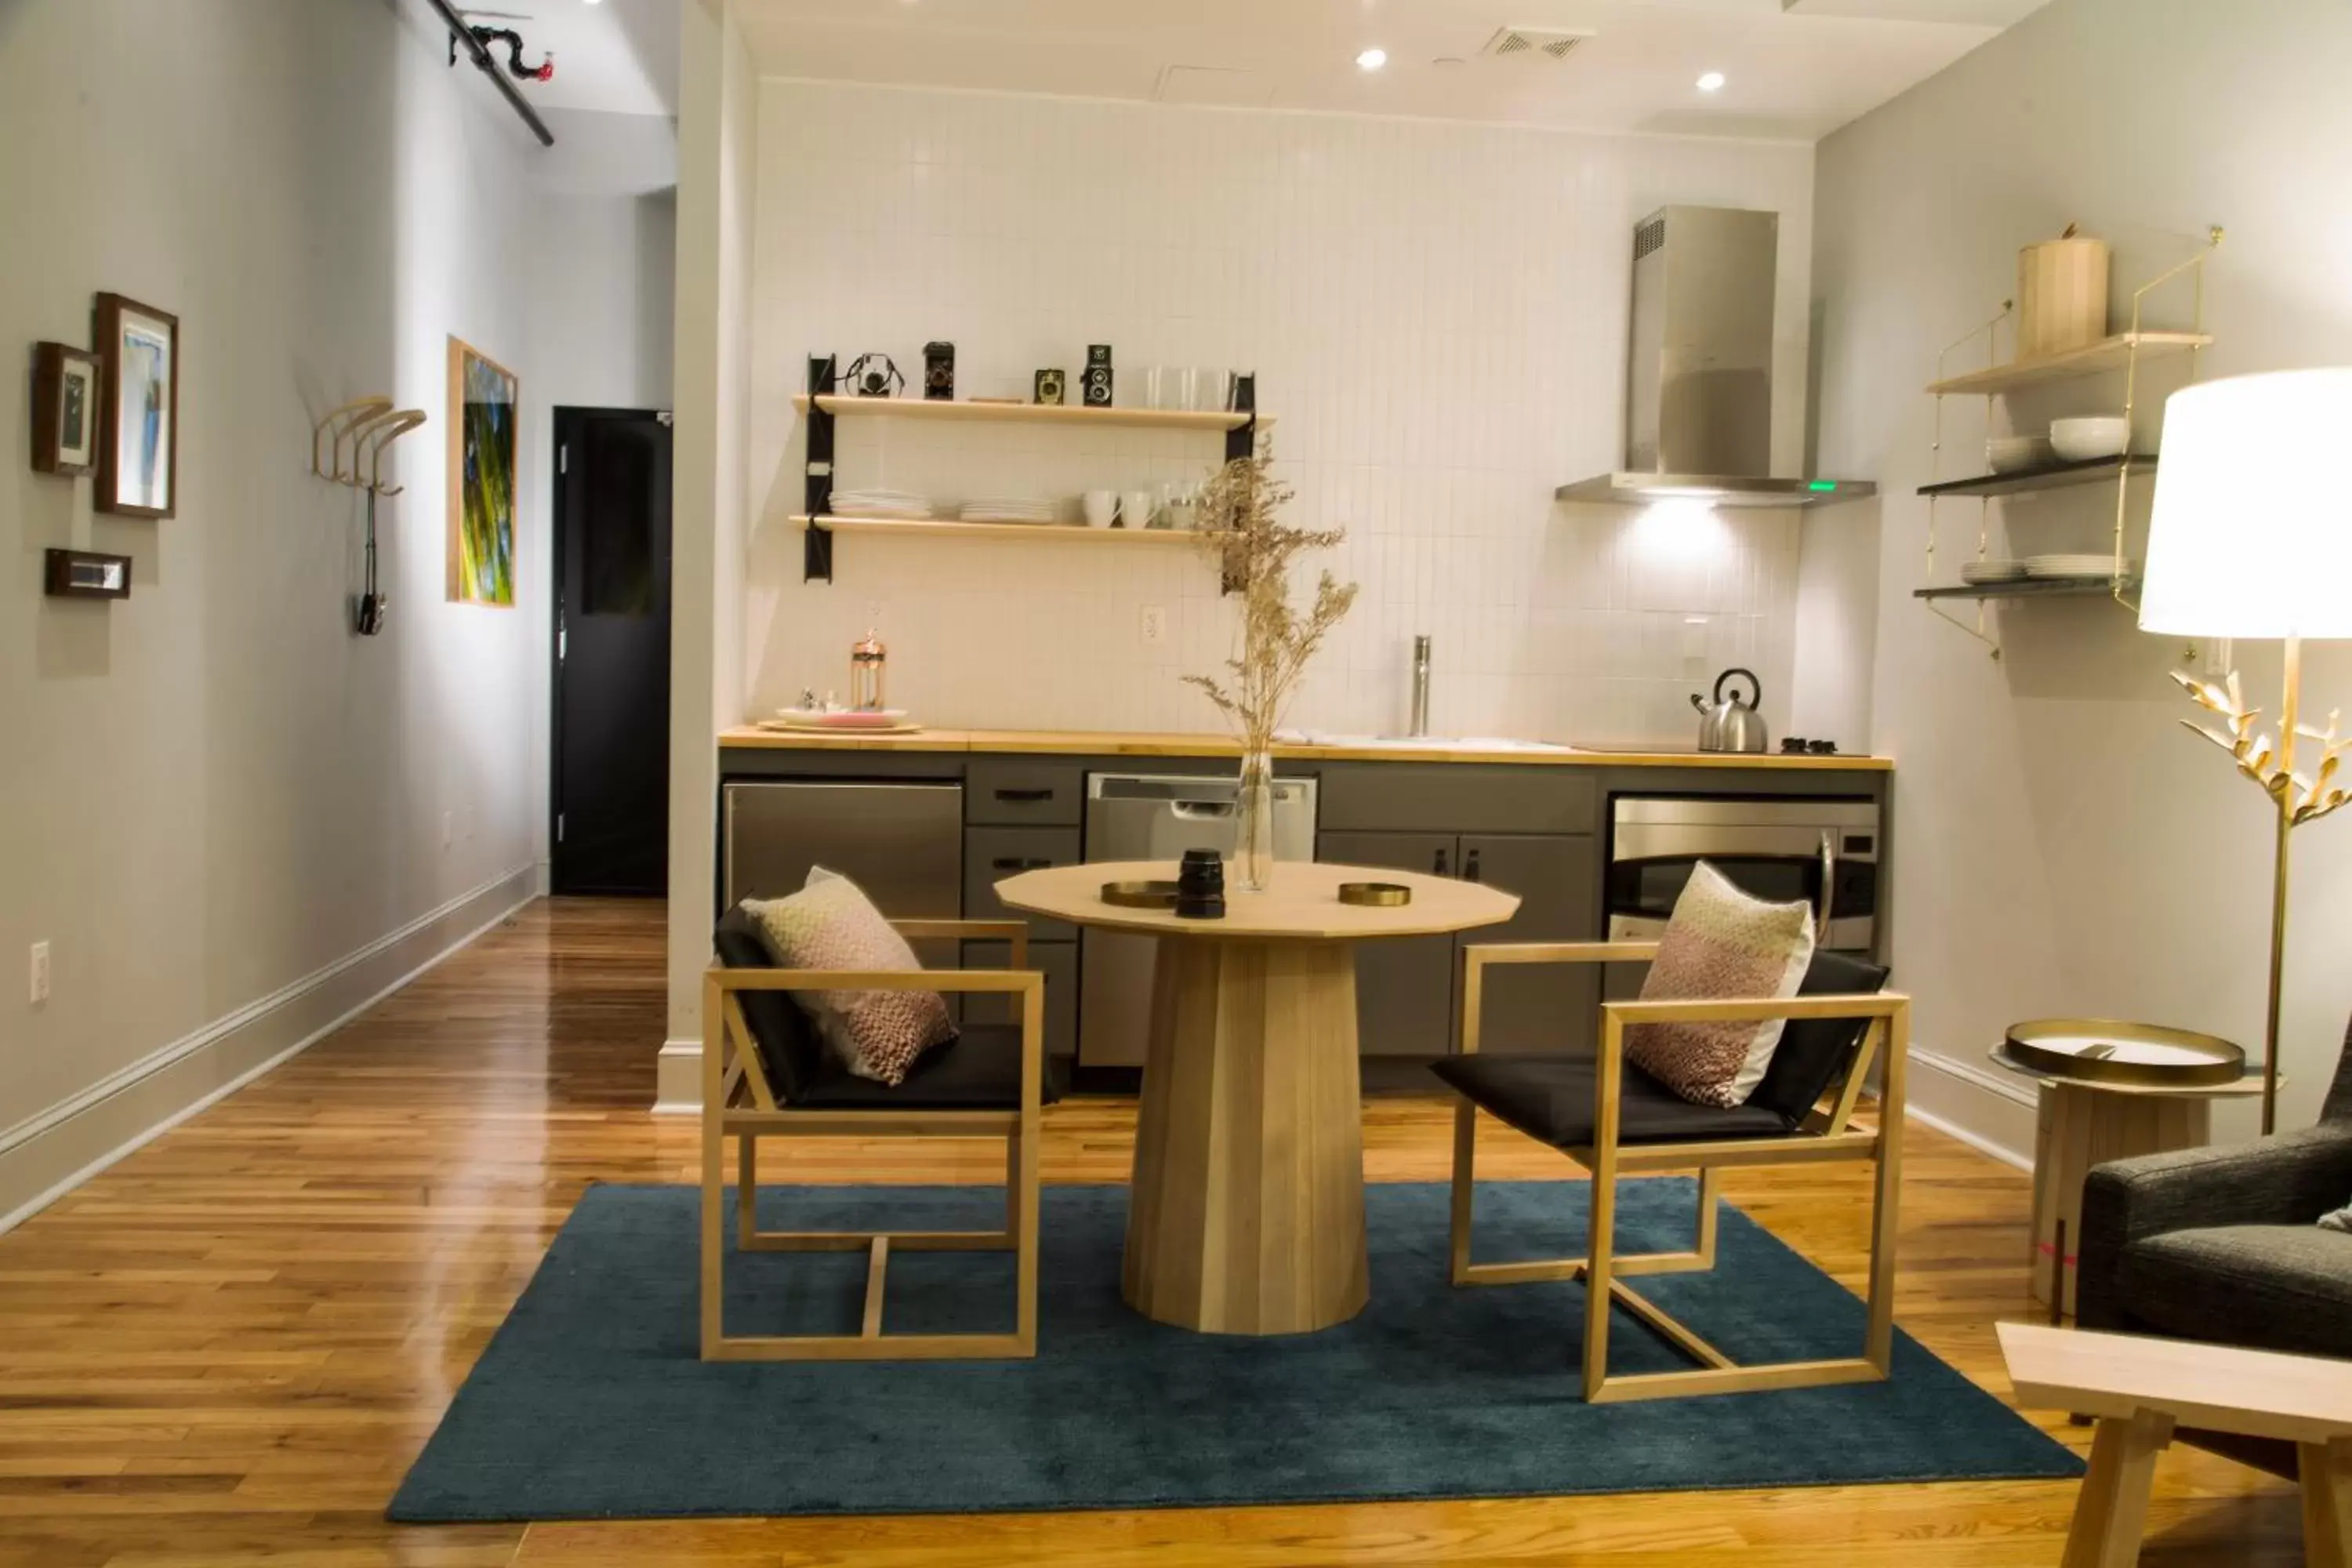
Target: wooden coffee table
pixel 1246 1216
pixel 2140 1389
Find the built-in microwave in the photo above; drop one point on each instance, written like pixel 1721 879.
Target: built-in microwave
pixel 1825 853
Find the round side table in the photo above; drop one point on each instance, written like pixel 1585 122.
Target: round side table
pixel 2081 1124
pixel 1246 1213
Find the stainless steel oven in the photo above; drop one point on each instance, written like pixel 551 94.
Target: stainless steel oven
pixel 1822 852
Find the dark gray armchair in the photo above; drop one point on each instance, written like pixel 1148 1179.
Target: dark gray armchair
pixel 2222 1244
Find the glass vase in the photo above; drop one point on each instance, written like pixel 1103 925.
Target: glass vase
pixel 1252 867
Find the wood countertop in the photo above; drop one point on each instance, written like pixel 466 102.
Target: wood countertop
pixel 1119 743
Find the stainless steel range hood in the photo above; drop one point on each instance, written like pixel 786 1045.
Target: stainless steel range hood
pixel 1698 374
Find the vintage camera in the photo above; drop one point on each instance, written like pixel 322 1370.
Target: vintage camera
pixel 1051 385
pixel 938 371
pixel 875 375
pixel 1097 387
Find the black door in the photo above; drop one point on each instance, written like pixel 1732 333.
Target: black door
pixel 611 725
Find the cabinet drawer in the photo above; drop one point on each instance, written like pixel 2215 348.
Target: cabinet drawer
pixel 1456 797
pixel 1013 793
pixel 1058 961
pixel 993 853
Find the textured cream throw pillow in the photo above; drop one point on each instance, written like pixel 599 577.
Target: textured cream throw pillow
pixel 1721 945
pixel 831 924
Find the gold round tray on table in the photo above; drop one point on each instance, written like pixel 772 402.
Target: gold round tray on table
pixel 1154 894
pixel 1375 895
pixel 2105 1051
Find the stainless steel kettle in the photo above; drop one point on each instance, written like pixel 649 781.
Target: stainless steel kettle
pixel 1727 724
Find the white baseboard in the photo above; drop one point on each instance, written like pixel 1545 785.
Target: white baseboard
pixel 678 1082
pixel 49 1153
pixel 1993 1113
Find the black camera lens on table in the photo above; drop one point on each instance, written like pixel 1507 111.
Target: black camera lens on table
pixel 1201 886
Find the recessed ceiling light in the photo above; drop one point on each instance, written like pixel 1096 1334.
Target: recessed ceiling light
pixel 1711 82
pixel 1449 62
pixel 1372 60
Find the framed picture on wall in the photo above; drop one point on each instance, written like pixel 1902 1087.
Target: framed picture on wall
pixel 66 388
pixel 138 409
pixel 483 398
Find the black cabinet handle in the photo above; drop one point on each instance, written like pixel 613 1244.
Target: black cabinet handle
pixel 1018 863
pixel 1438 869
pixel 1011 795
pixel 1470 871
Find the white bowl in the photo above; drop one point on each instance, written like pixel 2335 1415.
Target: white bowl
pixel 2088 439
pixel 2013 454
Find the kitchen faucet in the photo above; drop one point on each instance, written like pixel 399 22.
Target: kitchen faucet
pixel 1421 686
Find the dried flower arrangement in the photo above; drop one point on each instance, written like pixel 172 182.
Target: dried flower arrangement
pixel 1240 520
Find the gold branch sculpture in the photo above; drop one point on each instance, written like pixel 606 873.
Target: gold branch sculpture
pixel 2269 764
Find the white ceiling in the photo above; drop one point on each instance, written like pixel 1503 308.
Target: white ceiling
pixel 1794 68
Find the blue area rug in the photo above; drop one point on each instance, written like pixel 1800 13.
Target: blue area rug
pixel 589 1401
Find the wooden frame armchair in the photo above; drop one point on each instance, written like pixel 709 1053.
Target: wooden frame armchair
pixel 1613 1119
pixel 768 1078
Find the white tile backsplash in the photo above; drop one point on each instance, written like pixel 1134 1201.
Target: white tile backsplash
pixel 1437 315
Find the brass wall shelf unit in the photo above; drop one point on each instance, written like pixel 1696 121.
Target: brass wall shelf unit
pixel 2125 351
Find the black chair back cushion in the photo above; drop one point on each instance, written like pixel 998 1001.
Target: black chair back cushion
pixel 782 1033
pixel 1814 1051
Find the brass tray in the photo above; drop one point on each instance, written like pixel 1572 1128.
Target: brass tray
pixel 2104 1050
pixel 1150 895
pixel 1375 895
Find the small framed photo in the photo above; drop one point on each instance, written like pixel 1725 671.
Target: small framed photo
pixel 139 412
pixel 66 384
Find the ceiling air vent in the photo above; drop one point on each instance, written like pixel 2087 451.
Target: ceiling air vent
pixel 1533 43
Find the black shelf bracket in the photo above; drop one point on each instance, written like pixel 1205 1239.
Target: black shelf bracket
pixel 816 544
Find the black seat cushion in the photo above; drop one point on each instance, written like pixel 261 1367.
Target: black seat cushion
pixel 980 1071
pixel 790 1052
pixel 1813 1051
pixel 1551 1098
pixel 2272 1287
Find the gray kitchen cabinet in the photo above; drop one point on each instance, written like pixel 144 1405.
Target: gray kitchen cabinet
pixel 993 853
pixel 1404 988
pixel 1016 791
pixel 1531 1008
pixel 1058 961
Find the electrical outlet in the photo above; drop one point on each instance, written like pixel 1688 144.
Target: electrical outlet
pixel 1155 624
pixel 448 828
pixel 40 973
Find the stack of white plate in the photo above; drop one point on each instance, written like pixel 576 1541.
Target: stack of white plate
pixel 1976 574
pixel 2073 566
pixel 1008 509
pixel 879 503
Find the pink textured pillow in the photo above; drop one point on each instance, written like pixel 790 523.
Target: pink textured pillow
pixel 1721 945
pixel 831 924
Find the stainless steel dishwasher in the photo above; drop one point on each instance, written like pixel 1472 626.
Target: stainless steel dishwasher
pixel 1138 817
pixel 902 843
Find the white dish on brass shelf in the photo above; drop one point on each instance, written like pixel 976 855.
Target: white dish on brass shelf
pixel 2075 566
pixel 1975 573
pixel 2087 440
pixel 2015 454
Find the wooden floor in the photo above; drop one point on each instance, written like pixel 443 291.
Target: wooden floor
pixel 229 1347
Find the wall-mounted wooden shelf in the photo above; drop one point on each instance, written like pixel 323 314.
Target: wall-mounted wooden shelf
pixel 2057 476
pixel 927 527
pixel 2092 359
pixel 2032 588
pixel 1022 413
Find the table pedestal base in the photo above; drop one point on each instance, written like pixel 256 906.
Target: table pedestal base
pixel 1246 1214
pixel 2082 1126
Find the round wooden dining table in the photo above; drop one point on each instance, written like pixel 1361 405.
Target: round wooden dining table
pixel 1246 1213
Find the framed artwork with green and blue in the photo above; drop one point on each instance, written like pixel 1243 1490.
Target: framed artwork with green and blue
pixel 483 408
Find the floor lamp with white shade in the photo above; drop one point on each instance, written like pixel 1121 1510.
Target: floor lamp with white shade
pixel 2252 537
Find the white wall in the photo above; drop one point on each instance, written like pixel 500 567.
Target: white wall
pixel 2063 846
pixel 224 810
pixel 1436 314
pixel 717 162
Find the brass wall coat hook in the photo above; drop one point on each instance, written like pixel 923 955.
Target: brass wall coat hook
pixel 358 433
pixel 327 436
pixel 383 434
